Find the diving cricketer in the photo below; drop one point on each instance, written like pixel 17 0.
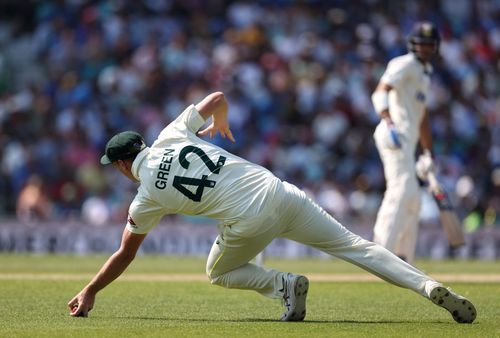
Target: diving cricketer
pixel 182 174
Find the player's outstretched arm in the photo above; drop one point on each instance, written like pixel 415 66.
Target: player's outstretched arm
pixel 215 105
pixel 83 302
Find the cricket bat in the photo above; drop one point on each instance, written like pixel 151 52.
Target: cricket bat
pixel 449 219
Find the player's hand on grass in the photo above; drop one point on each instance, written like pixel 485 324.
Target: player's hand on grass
pixel 81 304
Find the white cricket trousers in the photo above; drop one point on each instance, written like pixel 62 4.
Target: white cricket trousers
pixel 396 227
pixel 293 215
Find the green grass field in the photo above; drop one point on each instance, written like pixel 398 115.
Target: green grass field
pixel 34 291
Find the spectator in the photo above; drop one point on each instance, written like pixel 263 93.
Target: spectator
pixel 33 203
pixel 74 73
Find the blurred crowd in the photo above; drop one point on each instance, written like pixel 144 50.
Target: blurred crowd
pixel 298 76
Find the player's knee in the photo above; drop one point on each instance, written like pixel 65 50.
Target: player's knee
pixel 410 192
pixel 209 274
pixel 412 198
pixel 215 279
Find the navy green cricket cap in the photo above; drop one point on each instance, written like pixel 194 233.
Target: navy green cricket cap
pixel 123 146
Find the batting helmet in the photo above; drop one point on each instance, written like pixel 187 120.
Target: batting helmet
pixel 424 33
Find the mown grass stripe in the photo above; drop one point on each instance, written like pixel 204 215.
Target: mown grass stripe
pixel 316 277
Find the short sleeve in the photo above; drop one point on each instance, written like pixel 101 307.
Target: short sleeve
pixel 143 216
pixel 396 73
pixel 189 120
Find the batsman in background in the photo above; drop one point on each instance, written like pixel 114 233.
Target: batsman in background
pixel 400 101
pixel 183 174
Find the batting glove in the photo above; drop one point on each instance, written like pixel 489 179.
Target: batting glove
pixel 393 137
pixel 424 165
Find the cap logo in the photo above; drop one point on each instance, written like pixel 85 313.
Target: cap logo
pixel 427 29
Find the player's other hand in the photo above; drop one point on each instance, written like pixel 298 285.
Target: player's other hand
pixel 392 137
pixel 424 165
pixel 81 304
pixel 218 127
pixel 395 137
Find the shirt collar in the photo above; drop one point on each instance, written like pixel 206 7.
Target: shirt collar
pixel 137 162
pixel 428 69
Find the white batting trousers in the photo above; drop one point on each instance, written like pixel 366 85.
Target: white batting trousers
pixel 294 216
pixel 396 227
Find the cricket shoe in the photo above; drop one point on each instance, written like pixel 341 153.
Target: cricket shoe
pixel 460 308
pixel 295 289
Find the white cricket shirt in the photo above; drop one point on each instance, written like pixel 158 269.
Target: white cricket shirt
pixel 183 174
pixel 410 80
